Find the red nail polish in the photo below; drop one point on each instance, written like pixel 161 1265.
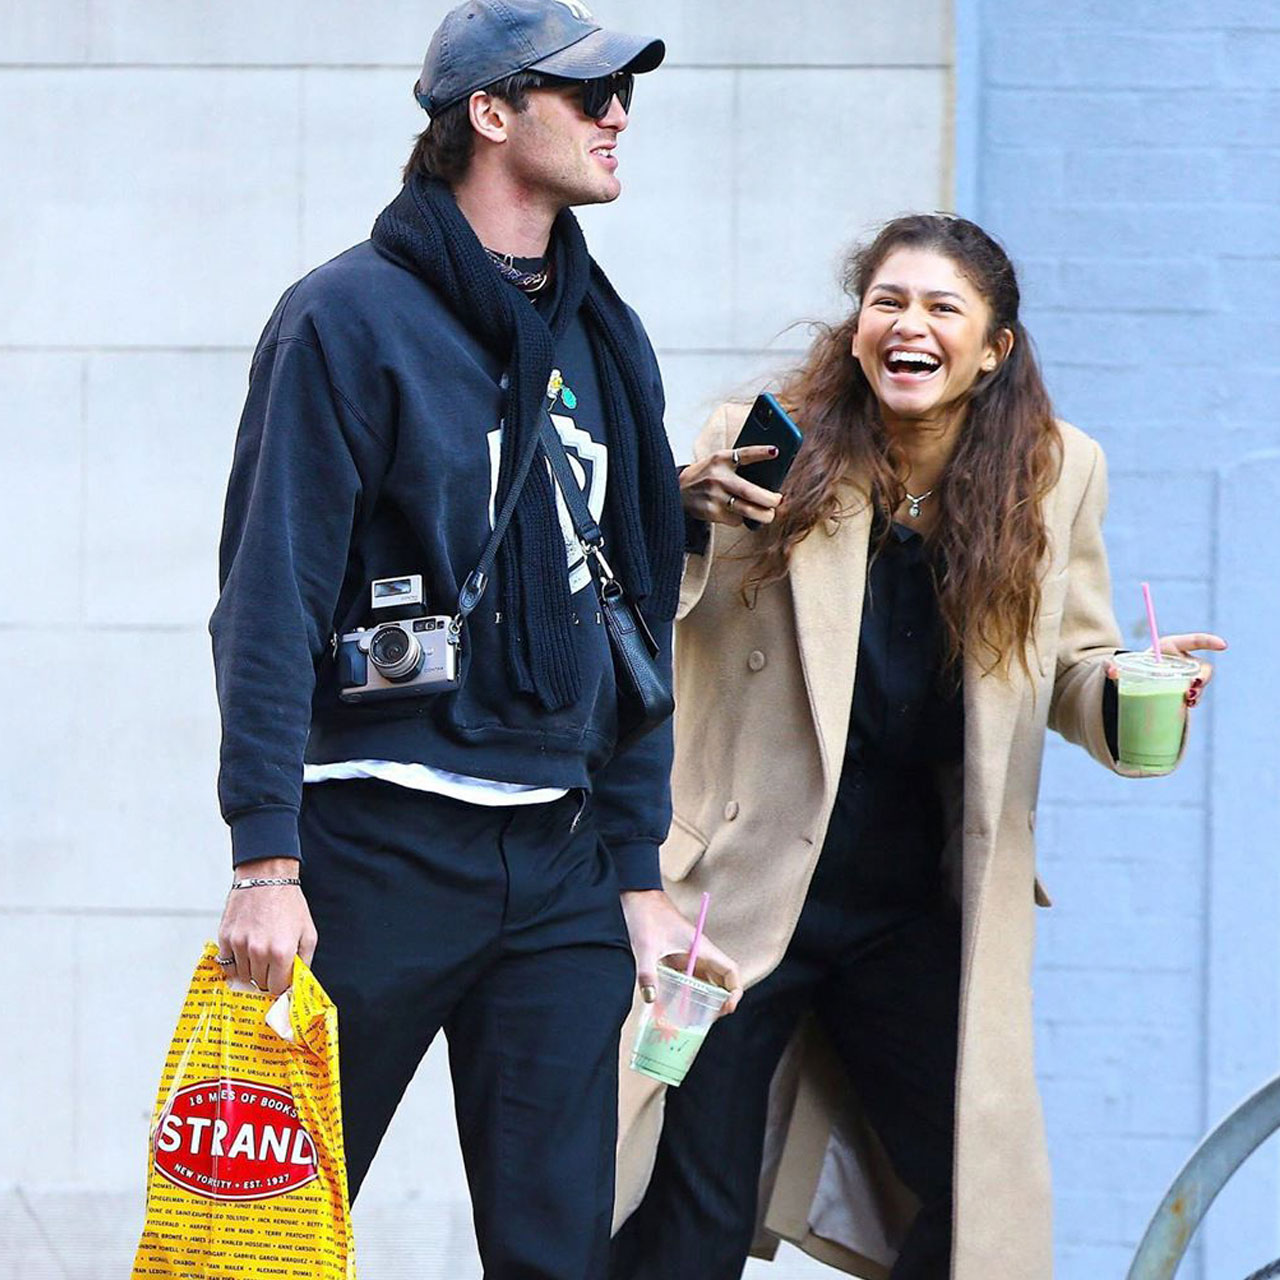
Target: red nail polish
pixel 773 451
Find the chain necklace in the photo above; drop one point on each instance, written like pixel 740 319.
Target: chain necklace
pixel 915 500
pixel 530 282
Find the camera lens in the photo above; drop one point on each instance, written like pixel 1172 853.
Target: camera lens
pixel 389 647
pixel 396 654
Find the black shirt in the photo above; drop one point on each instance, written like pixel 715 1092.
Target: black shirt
pixel 887 829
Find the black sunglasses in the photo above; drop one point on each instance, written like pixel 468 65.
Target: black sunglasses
pixel 598 94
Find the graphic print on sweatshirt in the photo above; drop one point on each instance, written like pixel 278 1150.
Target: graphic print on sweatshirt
pixel 589 462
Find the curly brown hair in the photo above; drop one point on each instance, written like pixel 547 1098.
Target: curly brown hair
pixel 991 536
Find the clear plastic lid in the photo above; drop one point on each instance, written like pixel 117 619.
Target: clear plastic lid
pixel 1145 666
pixel 706 991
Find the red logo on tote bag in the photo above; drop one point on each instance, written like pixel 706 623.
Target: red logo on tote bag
pixel 234 1140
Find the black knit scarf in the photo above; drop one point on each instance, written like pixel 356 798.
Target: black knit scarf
pixel 424 230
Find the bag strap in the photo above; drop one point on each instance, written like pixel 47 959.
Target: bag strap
pixel 584 523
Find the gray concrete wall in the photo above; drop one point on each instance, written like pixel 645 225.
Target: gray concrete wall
pixel 169 168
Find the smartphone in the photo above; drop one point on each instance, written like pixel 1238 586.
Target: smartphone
pixel 768 423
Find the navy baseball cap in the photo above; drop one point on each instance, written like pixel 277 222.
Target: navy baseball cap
pixel 484 41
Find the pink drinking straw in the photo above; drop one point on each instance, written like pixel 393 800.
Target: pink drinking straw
pixel 1151 621
pixel 697 935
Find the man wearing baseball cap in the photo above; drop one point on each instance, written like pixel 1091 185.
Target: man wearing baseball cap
pixel 458 842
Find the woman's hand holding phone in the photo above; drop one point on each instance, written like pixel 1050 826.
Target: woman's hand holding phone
pixel 711 488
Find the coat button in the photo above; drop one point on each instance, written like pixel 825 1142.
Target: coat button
pixel 756 660
pixel 731 811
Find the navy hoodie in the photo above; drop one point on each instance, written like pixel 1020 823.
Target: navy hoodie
pixel 368 448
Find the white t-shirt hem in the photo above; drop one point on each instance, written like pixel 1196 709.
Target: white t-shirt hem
pixel 423 777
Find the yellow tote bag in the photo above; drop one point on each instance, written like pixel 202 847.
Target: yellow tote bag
pixel 246 1176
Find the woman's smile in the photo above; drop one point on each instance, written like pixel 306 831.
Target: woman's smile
pixel 911 364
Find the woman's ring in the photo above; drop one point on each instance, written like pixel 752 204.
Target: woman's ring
pixel 736 458
pixel 728 506
pixel 224 961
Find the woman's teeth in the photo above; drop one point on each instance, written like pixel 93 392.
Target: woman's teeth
pixel 911 362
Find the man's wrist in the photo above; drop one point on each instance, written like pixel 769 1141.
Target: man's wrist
pixel 266 867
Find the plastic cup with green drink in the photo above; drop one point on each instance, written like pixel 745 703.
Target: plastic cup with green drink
pixel 1153 709
pixel 674 1026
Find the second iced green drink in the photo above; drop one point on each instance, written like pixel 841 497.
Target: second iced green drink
pixel 673 1028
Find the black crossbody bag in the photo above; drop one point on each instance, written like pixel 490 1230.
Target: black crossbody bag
pixel 645 700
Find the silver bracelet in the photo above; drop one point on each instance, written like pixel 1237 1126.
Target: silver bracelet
pixel 260 881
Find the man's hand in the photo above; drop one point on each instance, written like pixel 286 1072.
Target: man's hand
pixel 711 488
pixel 265 927
pixel 659 932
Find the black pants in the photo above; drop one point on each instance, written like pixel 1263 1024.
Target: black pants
pixel 505 929
pixel 884 984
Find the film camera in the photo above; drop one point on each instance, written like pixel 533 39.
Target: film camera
pixel 404 654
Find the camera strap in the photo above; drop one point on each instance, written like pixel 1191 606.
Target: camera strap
pixel 474 587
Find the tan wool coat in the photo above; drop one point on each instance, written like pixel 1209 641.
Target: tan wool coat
pixel 763 698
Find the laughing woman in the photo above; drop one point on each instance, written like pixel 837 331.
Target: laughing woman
pixel 863 689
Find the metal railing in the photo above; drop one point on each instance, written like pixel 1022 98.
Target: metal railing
pixel 1211 1165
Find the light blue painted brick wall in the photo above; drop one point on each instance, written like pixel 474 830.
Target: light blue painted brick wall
pixel 1129 157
